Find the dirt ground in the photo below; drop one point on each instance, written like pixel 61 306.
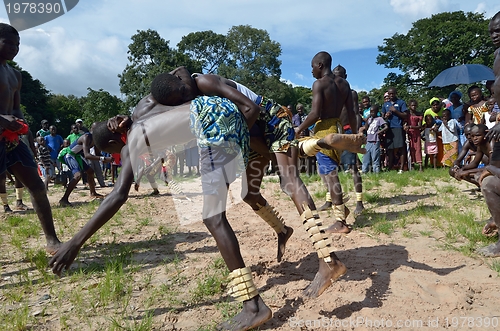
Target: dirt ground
pixel 393 281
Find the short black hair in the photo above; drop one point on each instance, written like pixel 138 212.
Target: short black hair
pixel 162 87
pixel 481 127
pixel 6 29
pixel 101 136
pixel 325 58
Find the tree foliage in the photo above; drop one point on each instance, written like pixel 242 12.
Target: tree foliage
pixel 100 106
pixel 434 44
pixel 206 47
pixel 149 55
pixel 253 57
pixel 66 110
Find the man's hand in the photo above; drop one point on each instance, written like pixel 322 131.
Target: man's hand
pixel 64 257
pixel 119 123
pixel 484 174
pixel 494 133
pixel 297 131
pixel 9 122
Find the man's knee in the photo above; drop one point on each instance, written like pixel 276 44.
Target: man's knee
pixel 490 185
pixel 77 176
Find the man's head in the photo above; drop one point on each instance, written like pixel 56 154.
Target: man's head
pixel 66 143
pixel 340 71
pixel 366 102
pixel 106 140
pixel 45 124
pixel 300 109
pixel 9 42
pixel 74 128
pixel 392 93
pixel 53 130
pixel 467 130
pixel 40 140
pixel 79 123
pixel 478 133
pixel 386 96
pixel 320 62
pixel 494 29
pixel 171 90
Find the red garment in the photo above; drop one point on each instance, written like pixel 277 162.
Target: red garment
pixel 415 139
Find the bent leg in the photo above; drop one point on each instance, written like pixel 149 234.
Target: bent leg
pixel 253 197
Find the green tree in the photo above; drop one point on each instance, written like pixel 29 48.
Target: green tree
pixel 100 105
pixel 253 58
pixel 434 44
pixel 208 48
pixel 149 55
pixel 66 110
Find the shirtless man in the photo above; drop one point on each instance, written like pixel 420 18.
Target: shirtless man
pixel 349 156
pixel 490 178
pixel 331 93
pixel 271 136
pixel 14 154
pixel 153 128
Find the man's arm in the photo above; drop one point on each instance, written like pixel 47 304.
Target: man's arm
pixel 212 85
pixel 317 105
pixel 108 208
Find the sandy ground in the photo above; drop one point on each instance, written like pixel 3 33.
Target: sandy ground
pixel 393 282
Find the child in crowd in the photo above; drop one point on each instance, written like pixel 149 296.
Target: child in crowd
pixel 473 170
pixel 491 118
pixel 374 126
pixel 449 132
pixel 66 174
pixel 413 128
pixel 431 148
pixel 44 161
pixel 476 108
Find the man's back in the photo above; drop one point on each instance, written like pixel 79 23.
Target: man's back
pixel 334 92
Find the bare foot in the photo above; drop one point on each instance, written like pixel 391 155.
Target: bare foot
pixel 282 240
pixel 326 275
pixel 490 229
pixel 254 313
pixel 53 247
pixel 326 206
pixel 345 142
pixel 65 203
pixel 97 196
pixel 339 227
pixel 359 209
pixel 492 250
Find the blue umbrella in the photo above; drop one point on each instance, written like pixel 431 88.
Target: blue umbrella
pixel 464 74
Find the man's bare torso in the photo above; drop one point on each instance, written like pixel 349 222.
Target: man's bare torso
pixel 334 91
pixel 9 85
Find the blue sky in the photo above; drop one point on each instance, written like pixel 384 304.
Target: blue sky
pixel 87 47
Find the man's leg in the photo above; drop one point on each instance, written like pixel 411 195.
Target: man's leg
pixel 254 173
pixel 74 167
pixel 19 195
pixel 358 187
pixel 490 187
pixel 29 177
pixel 3 192
pixel 330 267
